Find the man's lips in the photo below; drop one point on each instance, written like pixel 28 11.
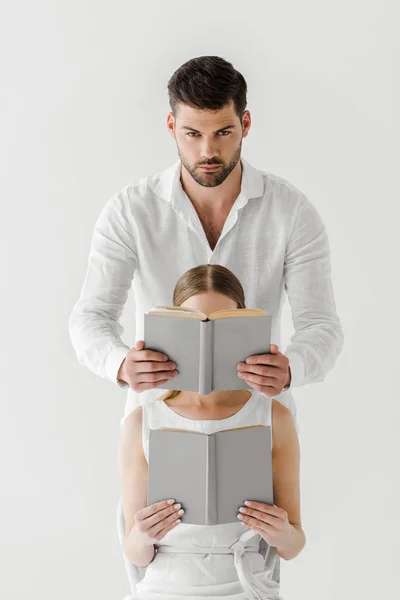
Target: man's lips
pixel 209 167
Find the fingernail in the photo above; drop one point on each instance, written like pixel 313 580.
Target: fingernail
pixel 171 501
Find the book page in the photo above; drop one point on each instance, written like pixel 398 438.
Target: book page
pixel 183 430
pixel 179 309
pixel 236 312
pixel 176 311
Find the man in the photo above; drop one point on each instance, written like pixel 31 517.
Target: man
pixel 255 223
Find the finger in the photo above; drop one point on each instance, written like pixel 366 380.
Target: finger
pixel 155 376
pixel 152 366
pixel 265 517
pixel 269 371
pixel 259 526
pixel 259 379
pixel 144 355
pixel 263 359
pixel 162 516
pixel 145 512
pixel 271 509
pixel 139 345
pixel 163 531
pixel 159 524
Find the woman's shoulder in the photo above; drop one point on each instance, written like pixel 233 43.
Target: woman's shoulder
pixel 280 410
pixel 131 430
pixel 131 450
pixel 283 424
pixel 134 418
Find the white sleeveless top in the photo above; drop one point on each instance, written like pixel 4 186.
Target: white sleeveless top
pixel 210 561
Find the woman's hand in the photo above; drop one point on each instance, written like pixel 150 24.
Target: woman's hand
pixel 153 522
pixel 271 522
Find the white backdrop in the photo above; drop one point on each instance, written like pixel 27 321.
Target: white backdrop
pixel 83 111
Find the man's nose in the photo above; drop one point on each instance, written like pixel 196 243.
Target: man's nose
pixel 209 150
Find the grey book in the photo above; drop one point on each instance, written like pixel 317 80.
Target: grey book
pixel 211 475
pixel 207 349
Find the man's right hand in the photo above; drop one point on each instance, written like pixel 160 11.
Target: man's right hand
pixel 145 369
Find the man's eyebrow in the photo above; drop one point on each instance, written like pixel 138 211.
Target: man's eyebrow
pixel 223 128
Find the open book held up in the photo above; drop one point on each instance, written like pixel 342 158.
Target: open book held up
pixel 207 349
pixel 211 475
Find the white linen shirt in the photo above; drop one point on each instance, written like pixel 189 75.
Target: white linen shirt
pixel 148 234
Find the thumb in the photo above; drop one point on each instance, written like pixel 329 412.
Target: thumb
pixel 274 349
pixel 139 345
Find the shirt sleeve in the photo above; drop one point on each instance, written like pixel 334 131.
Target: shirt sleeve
pixel 94 326
pixel 318 337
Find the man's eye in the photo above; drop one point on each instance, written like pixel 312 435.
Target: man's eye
pixel 194 134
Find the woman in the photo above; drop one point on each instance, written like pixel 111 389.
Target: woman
pixel 219 560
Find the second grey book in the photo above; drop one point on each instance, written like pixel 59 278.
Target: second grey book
pixel 207 349
pixel 211 475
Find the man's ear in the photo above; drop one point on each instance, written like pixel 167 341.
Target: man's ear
pixel 246 123
pixel 171 124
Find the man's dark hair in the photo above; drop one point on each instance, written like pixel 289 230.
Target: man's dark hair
pixel 207 83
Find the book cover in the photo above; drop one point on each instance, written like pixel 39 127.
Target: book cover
pixel 205 349
pixel 211 475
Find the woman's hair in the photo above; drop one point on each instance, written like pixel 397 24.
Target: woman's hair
pixel 207 83
pixel 206 278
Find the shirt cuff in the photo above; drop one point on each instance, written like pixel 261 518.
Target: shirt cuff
pixel 113 362
pixel 296 367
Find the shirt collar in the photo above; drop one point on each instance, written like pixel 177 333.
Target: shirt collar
pixel 169 185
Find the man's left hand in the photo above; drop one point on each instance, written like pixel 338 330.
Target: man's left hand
pixel 268 373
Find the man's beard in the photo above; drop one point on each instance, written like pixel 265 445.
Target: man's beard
pixel 212 179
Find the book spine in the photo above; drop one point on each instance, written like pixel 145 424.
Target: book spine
pixel 211 517
pixel 206 357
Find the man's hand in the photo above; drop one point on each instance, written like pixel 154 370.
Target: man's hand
pixel 268 373
pixel 145 369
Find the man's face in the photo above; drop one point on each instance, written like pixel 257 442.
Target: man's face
pixel 206 137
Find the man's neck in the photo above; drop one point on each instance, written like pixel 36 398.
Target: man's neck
pixel 213 199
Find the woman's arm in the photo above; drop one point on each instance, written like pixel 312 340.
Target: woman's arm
pixel 133 471
pixel 286 475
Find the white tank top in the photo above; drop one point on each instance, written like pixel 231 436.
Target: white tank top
pixel 191 548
